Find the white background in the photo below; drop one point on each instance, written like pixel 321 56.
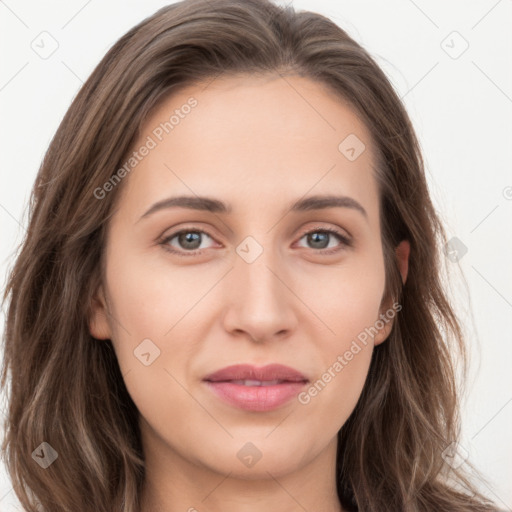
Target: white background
pixel 462 111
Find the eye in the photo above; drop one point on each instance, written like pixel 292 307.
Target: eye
pixel 320 238
pixel 189 241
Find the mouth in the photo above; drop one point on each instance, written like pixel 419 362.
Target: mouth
pixel 248 382
pixel 256 389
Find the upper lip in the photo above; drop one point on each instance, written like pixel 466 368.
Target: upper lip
pixel 250 372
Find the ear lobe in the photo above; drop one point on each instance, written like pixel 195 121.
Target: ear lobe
pixel 383 333
pixel 98 321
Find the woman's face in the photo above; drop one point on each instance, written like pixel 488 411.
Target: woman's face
pixel 252 280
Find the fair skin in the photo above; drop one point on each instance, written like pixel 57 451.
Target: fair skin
pixel 258 144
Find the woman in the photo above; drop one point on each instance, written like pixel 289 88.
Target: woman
pixel 302 359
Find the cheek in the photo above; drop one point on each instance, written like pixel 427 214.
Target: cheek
pixel 150 297
pixel 333 393
pixel 349 307
pixel 155 325
pixel 331 398
pixel 150 343
pixel 139 308
pixel 346 298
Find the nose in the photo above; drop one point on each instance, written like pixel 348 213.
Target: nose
pixel 260 303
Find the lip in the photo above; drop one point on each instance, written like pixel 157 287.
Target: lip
pixel 258 397
pixel 250 372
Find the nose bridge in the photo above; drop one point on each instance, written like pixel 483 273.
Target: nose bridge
pixel 257 278
pixel 259 302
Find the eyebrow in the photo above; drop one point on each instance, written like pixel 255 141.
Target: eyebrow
pixel 318 202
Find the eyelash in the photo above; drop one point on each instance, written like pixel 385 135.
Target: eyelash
pixel 342 238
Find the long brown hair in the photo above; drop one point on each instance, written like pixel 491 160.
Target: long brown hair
pixel 66 388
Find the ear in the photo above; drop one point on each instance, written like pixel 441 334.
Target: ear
pixel 402 252
pixel 98 322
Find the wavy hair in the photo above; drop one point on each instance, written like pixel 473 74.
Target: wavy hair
pixel 66 388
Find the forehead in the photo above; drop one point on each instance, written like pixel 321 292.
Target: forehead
pixel 255 141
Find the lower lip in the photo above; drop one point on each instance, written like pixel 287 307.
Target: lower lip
pixel 256 398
